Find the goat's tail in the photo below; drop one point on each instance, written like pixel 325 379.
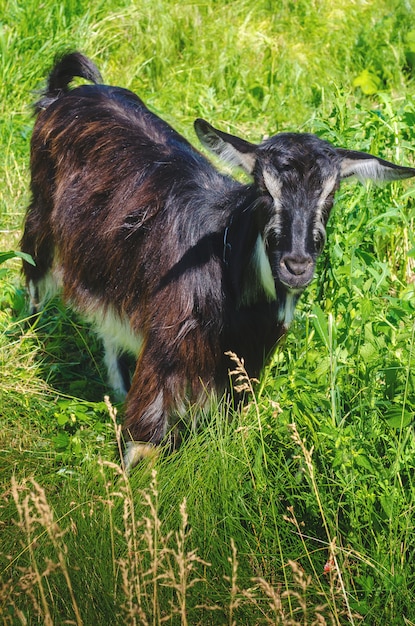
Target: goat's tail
pixel 70 65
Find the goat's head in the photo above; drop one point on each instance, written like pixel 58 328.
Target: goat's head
pixel 296 176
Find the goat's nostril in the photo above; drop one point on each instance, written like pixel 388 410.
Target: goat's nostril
pixel 296 265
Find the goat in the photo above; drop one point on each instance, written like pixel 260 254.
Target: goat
pixel 171 260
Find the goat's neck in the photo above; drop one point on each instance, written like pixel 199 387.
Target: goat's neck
pixel 245 255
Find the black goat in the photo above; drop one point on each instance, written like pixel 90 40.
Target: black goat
pixel 171 260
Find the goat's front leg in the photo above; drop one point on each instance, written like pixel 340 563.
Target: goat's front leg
pixel 164 388
pixel 156 401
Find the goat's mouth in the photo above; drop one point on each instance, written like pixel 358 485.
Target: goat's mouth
pixel 296 284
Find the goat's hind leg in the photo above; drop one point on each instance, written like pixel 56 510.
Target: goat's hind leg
pixel 37 241
pixel 117 365
pixel 34 297
pixel 40 291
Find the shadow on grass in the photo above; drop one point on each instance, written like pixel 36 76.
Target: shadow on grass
pixel 70 356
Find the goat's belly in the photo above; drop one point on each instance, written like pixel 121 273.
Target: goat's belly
pixel 110 325
pixel 113 328
pixel 118 337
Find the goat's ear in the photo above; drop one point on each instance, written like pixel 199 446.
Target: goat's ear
pixel 233 150
pixel 368 167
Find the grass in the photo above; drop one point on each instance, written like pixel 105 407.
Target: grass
pixel 299 509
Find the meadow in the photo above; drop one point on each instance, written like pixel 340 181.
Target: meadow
pixel 300 509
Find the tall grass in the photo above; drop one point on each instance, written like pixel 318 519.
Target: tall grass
pixel 300 508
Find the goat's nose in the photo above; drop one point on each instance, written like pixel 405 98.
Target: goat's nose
pixel 297 264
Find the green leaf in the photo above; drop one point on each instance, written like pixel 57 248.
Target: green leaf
pixel 12 254
pixel 368 82
pixel 363 461
pixel 320 324
pixel 397 417
pixel 387 502
pixel 61 418
pixel 369 352
pixel 61 441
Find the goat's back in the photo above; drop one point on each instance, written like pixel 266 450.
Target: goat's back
pixel 128 201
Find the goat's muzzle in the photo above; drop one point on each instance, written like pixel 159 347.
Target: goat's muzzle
pixel 296 271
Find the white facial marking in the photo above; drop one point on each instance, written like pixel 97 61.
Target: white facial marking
pixel 327 188
pixel 273 184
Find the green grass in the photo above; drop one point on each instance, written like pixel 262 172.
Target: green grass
pixel 238 525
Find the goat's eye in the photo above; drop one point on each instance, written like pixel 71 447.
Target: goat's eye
pixel 328 204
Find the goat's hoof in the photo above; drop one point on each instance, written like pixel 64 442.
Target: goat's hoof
pixel 136 451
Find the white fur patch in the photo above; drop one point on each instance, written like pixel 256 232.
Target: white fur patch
pixel 264 280
pixel 367 169
pixel 264 270
pixel 286 312
pixel 115 377
pixel 44 289
pixel 115 328
pixel 154 411
pixel 118 337
pixel 136 451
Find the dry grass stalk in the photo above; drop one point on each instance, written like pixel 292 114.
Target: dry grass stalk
pixel 290 606
pixel 307 455
pixel 242 382
pixel 245 385
pixel 155 561
pixel 9 611
pixel 36 519
pixel 234 591
pixel 180 574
